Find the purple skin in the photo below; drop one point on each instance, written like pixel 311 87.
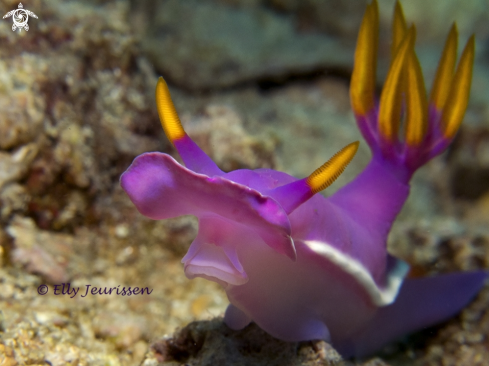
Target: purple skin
pixel 299 265
pixel 319 272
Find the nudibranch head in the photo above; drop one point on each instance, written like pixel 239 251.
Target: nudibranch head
pixel 233 208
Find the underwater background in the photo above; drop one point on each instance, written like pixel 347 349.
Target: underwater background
pixel 257 83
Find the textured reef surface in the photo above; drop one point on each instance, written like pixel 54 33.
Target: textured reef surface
pixel 258 83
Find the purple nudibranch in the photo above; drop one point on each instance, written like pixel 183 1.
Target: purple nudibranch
pixel 303 266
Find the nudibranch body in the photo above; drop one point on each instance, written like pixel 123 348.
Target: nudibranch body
pixel 303 266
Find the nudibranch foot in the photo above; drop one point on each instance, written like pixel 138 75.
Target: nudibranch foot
pixel 235 318
pixel 422 302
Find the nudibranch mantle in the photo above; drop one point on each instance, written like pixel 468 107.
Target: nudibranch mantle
pixel 303 266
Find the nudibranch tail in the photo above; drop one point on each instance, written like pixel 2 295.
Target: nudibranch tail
pixel 428 126
pixel 422 302
pixel 292 195
pixel 458 97
pixel 362 88
pixel 193 157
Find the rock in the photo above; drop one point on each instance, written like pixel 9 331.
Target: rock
pixel 122 329
pixel 211 342
pixel 39 252
pixel 21 105
pixel 469 172
pixel 219 132
pixel 77 101
pixel 14 166
pixel 200 45
pixel 333 17
pixel 13 198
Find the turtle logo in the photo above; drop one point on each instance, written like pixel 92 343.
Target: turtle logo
pixel 20 17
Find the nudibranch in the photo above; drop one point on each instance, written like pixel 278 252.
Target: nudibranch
pixel 302 266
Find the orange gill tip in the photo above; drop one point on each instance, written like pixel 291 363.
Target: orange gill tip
pixel 416 122
pixel 166 110
pixel 374 8
pixel 362 86
pixel 399 29
pixel 327 173
pixel 391 96
pixel 458 97
pixel 444 73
